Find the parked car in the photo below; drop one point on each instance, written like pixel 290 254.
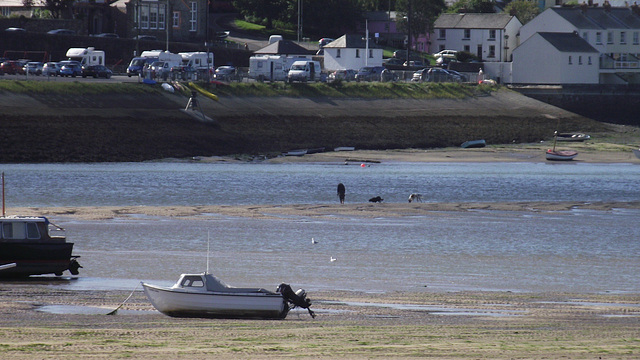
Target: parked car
pixel 106 35
pixel 445 56
pixel 96 71
pixel 145 37
pixel 441 75
pixel 15 29
pixel 458 76
pixel 70 68
pixel 12 67
pixel 343 75
pixel 324 41
pixel 61 32
pixel 369 73
pixel 225 73
pixel 51 69
pixel 33 68
pixel 420 75
pixel 414 64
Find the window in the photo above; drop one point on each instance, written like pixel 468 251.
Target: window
pixel 144 17
pixel 599 38
pixel 580 60
pixel 442 34
pixel 492 51
pixel 636 38
pixel 589 59
pixel 176 20
pixel 386 27
pixel 492 34
pixel 32 231
pixel 153 16
pixel 162 19
pixel 441 47
pixel 467 33
pixel 623 37
pixel 357 53
pixel 467 48
pixel 569 59
pixel 193 21
pixel 370 54
pixel 338 53
pixel 585 36
pixel 609 37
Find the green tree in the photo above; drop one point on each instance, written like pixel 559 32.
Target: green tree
pixel 524 10
pixel 58 7
pixel 421 13
pixel 473 6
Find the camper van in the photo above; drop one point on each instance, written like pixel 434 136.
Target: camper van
pixel 304 70
pixel 88 56
pixel 197 60
pixel 268 67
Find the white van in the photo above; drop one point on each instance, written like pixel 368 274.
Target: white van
pixel 304 70
pixel 275 38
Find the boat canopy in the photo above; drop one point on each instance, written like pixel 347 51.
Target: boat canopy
pixel 209 282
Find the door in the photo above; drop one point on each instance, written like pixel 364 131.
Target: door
pixel 270 70
pixel 479 52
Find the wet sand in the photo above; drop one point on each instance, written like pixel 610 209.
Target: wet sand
pixel 349 325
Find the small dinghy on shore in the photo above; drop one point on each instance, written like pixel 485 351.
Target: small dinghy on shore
pixel 559 155
pixel 206 296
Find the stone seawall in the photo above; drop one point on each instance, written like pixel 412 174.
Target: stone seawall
pixel 125 127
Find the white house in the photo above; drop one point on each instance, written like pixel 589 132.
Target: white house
pixel 491 37
pixel 613 32
pixel 351 52
pixel 555 58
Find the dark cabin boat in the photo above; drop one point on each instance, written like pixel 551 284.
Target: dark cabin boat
pixel 28 246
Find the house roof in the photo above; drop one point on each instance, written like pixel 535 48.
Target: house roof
pixel 568 42
pixel 599 18
pixel 352 41
pixel 473 21
pixel 284 47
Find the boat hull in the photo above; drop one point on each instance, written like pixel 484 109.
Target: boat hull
pixel 561 155
pixel 637 153
pixel 208 304
pixel 473 144
pixel 35 258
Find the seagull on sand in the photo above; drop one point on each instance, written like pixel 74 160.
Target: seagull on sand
pixel 332 259
pixel 313 241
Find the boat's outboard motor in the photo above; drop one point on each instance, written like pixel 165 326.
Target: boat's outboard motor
pixel 74 266
pixel 298 298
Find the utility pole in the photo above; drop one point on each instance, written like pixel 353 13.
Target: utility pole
pixel 409 33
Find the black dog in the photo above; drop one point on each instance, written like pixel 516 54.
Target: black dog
pixel 376 199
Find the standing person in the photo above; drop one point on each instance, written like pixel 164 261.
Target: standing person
pixel 341 192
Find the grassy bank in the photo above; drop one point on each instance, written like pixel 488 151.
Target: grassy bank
pixel 368 90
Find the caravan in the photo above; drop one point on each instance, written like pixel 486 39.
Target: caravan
pixel 197 60
pixel 88 56
pixel 271 67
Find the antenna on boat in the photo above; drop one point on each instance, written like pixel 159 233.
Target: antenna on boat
pixel 208 242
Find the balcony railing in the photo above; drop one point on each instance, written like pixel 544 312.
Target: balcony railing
pixel 631 62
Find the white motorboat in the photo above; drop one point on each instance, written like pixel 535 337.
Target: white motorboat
pixel 573 137
pixel 204 295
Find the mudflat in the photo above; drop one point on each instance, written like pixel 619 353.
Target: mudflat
pixel 349 325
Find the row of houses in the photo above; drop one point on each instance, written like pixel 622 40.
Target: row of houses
pixel 563 45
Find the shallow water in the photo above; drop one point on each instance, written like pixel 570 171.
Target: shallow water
pixel 578 251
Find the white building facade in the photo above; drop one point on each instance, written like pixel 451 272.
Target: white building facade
pixel 613 32
pixel 351 52
pixel 491 37
pixel 555 59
